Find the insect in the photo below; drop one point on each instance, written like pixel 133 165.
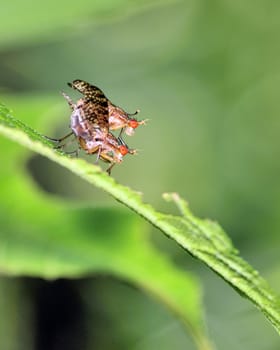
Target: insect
pixel 91 119
pixel 117 118
pixel 94 107
pixel 95 140
pixel 107 147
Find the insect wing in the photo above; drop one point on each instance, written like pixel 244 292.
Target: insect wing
pixel 94 104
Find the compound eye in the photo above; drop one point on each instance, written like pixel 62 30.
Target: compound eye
pixel 123 150
pixel 133 123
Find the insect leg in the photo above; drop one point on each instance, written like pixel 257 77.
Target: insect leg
pixel 58 140
pixel 76 152
pixel 135 113
pixel 110 168
pixel 120 134
pixel 121 141
pixel 98 155
pixel 69 101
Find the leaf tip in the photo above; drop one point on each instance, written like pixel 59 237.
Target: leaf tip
pixel 181 203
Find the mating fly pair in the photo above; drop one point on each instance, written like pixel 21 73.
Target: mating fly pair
pixel 92 120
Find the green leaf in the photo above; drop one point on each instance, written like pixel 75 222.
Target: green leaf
pixel 44 237
pixel 204 239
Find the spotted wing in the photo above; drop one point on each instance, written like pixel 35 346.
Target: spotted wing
pixel 94 106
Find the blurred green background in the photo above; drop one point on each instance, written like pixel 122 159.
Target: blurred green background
pixel 206 74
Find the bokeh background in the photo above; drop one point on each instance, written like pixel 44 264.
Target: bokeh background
pixel 206 74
